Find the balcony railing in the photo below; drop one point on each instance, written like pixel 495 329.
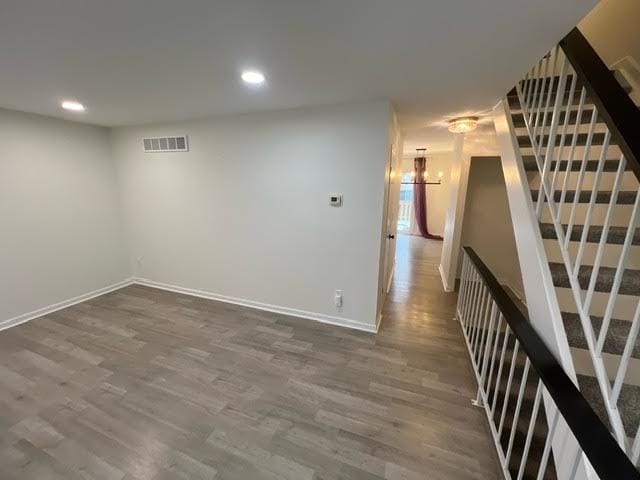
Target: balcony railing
pixel 405 215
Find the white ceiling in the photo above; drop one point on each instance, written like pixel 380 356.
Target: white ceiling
pixel 139 61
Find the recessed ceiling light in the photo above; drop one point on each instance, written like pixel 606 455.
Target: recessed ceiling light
pixel 253 77
pixel 73 106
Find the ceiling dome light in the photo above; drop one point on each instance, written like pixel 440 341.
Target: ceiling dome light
pixel 253 77
pixel 463 124
pixel 73 106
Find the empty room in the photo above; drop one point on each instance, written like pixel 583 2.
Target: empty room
pixel 302 240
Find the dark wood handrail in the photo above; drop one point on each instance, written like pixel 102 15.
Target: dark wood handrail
pixel 614 104
pixel 605 455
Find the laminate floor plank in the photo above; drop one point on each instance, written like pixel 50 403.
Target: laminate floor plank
pixel 148 384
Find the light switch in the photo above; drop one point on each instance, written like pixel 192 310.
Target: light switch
pixel 335 199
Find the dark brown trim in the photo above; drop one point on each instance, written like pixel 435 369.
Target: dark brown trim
pixel 614 105
pixel 606 457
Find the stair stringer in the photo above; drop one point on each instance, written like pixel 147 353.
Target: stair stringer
pixel 542 303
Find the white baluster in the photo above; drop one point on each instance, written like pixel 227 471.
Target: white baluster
pixel 626 356
pixel 578 189
pixel 555 120
pixel 572 149
pixel 563 135
pixel 487 343
pixel 516 414
pixel 508 389
pixel 592 202
pixel 463 287
pixel 604 235
pixel 617 279
pixel 532 427
pixel 494 352
pixel 635 450
pixel 544 460
pixel 500 366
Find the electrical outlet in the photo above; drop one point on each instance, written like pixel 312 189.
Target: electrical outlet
pixel 337 299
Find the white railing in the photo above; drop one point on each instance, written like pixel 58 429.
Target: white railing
pixel 405 215
pixel 557 112
pixel 511 362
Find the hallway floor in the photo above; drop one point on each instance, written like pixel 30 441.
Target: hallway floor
pixel 147 384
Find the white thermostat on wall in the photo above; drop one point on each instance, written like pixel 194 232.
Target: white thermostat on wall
pixel 335 199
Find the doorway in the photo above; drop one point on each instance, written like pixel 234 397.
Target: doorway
pixel 405 207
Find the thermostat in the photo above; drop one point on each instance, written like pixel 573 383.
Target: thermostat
pixel 335 199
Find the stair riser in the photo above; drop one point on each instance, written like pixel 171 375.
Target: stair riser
pixel 585 120
pixel 610 256
pixel 607 181
pixel 587 110
pixel 583 365
pixel 594 152
pixel 582 128
pixel 624 308
pixel 514 102
pixel 616 339
pixel 619 218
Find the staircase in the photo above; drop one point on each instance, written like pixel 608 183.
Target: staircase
pixel 578 144
pixel 542 425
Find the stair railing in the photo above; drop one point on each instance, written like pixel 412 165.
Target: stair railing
pixel 571 85
pixel 498 336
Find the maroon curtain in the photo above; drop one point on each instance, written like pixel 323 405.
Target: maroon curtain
pixel 420 198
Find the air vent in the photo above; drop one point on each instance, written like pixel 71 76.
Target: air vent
pixel 166 144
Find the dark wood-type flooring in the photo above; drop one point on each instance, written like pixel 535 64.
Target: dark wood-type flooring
pixel 148 384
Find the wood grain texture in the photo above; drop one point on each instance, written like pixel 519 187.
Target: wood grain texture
pixel 148 384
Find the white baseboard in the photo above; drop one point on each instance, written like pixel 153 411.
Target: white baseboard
pixel 12 322
pixel 393 271
pixel 318 317
pixel 445 284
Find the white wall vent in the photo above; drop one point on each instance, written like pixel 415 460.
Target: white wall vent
pixel 166 144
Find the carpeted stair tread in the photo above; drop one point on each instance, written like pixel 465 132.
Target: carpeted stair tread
pixel 610 165
pixel 626 197
pixel 615 236
pixel 591 392
pixel 628 403
pixel 524 141
pixel 617 334
pixel 630 284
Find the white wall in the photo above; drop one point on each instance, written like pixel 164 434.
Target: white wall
pixel 61 234
pixel 487 225
pixel 245 213
pixel 612 29
pixel 452 242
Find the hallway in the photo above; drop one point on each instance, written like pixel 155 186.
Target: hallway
pixel 418 319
